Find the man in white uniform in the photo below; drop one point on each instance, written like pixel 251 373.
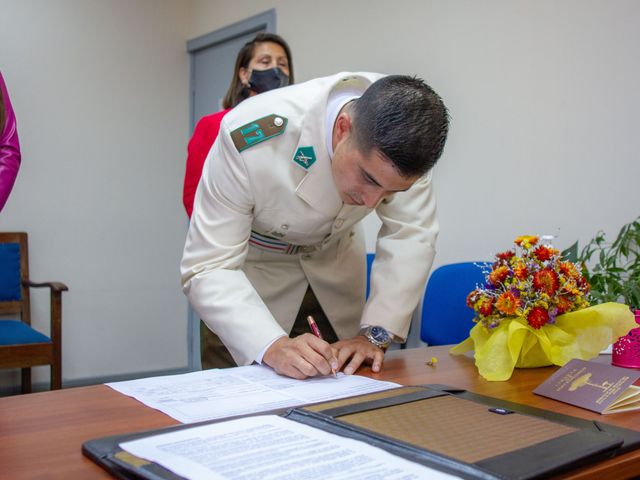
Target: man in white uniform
pixel 276 220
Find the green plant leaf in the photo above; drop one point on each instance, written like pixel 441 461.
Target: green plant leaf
pixel 571 253
pixel 613 270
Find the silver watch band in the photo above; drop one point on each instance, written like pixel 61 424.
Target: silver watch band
pixel 394 337
pixel 382 343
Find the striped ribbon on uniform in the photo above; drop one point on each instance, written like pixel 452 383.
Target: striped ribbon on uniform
pixel 270 244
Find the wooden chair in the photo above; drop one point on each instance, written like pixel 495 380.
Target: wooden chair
pixel 21 346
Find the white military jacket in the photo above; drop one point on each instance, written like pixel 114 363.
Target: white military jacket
pixel 268 222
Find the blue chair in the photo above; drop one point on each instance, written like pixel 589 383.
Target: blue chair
pixel 370 257
pixel 21 346
pixel 446 319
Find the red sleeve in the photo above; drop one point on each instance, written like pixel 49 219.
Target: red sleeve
pixel 204 135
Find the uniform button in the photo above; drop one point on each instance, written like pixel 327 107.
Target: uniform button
pixel 284 226
pixel 278 122
pixel 339 222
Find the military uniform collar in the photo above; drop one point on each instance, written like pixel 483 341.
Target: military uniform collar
pixel 317 187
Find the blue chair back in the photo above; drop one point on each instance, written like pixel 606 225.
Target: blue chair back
pixel 446 319
pixel 10 281
pixel 370 257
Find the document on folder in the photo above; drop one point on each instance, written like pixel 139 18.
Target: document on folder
pixel 272 448
pixel 220 393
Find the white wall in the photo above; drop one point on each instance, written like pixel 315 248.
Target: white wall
pixel 100 90
pixel 543 97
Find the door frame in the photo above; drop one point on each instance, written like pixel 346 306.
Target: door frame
pixel 265 21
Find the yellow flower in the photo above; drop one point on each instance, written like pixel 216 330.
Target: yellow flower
pixel 526 241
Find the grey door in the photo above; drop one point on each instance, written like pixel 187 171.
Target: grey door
pixel 211 75
pixel 213 57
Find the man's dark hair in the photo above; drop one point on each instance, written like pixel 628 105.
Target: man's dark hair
pixel 405 120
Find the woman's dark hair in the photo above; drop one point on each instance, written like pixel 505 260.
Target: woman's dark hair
pixel 3 113
pixel 236 93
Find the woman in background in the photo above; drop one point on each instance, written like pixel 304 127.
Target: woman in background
pixel 9 145
pixel 262 64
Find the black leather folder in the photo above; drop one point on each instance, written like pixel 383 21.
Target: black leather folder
pixel 452 430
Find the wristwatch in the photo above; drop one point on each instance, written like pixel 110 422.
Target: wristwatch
pixel 378 336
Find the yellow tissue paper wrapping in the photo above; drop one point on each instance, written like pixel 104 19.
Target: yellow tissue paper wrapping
pixel 581 334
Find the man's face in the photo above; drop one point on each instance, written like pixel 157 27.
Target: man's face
pixel 363 179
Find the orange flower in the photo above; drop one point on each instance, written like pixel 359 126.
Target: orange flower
pixel 526 241
pixel 544 253
pixel 498 274
pixel 546 281
pixel 507 303
pixel 563 304
pixel 520 270
pixel 537 317
pixel 569 269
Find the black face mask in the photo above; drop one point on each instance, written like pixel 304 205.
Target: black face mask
pixel 265 80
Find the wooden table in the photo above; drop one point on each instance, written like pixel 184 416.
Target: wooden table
pixel 41 433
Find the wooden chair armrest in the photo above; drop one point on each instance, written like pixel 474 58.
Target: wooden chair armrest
pixel 56 316
pixel 54 286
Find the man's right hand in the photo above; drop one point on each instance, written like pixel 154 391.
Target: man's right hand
pixel 301 357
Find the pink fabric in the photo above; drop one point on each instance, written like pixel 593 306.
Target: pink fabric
pixel 9 148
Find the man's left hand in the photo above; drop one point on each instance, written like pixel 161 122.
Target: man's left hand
pixel 356 351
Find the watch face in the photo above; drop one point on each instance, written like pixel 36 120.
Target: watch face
pixel 380 334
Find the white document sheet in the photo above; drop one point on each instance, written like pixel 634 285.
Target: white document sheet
pixel 219 393
pixel 269 447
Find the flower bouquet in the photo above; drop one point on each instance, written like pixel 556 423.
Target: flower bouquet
pixel 533 311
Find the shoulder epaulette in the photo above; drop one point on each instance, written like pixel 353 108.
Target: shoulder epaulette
pixel 258 131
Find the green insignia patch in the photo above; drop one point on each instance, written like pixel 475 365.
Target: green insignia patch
pixel 305 157
pixel 258 131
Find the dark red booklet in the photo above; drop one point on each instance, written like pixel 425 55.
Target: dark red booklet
pixel 595 386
